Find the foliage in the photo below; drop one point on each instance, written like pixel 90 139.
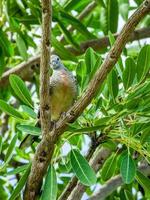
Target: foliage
pixel 119 111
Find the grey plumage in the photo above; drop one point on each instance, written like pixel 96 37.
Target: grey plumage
pixel 63 88
pixel 63 92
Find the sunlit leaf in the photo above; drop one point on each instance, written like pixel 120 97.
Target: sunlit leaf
pixel 82 169
pixel 127 169
pixel 9 110
pixel 20 89
pixel 50 185
pixel 29 129
pixel 143 63
pixel 109 167
pixel 20 184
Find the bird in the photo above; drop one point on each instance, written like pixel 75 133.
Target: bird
pixel 62 92
pixel 63 88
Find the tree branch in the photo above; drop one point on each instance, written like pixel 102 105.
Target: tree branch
pixel 112 185
pixel 26 69
pixel 99 44
pixel 46 147
pixel 45 111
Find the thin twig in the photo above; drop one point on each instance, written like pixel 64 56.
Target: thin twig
pixel 46 146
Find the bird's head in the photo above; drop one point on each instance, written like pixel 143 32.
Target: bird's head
pixel 55 62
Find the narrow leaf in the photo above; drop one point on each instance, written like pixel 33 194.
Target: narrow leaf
pixel 29 129
pixel 81 168
pixel 1 144
pixel 143 63
pixel 143 181
pixel 9 152
pixel 9 110
pixel 20 184
pixel 67 34
pixel 129 73
pixel 20 89
pixel 109 167
pixel 127 169
pixel 18 170
pixel 76 24
pixel 50 185
pixel 112 15
pixel 90 59
pixel 5 44
pixel 112 81
pixel 30 112
pixel 22 47
pixel 61 50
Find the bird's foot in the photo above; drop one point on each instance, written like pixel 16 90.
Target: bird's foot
pixel 63 115
pixel 53 125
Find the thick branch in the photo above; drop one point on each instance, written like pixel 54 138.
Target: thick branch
pixel 26 69
pixel 44 81
pixel 99 44
pixel 44 67
pixel 46 147
pixel 112 185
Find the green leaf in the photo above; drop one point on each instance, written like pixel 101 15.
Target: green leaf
pixel 119 65
pixel 128 195
pixel 81 168
pixel 29 111
pixel 22 47
pixel 2 63
pixel 129 73
pixel 20 4
pixel 112 15
pixel 143 181
pixel 50 185
pixel 20 89
pixel 109 167
pixel 140 91
pixel 85 129
pixel 81 74
pixel 20 184
pixel 5 44
pixel 67 34
pixel 73 5
pixel 90 59
pixel 29 129
pixel 1 144
pixel 96 66
pixel 127 169
pixel 112 81
pixel 61 50
pixel 9 152
pixel 124 8
pixel 143 63
pixel 9 110
pixel 76 24
pixel 17 170
pixel 101 3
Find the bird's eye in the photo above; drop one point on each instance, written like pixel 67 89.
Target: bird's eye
pixel 58 59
